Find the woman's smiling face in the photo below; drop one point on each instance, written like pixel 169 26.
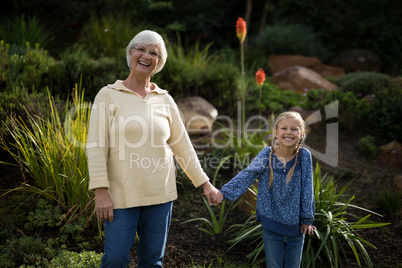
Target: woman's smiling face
pixel 289 132
pixel 144 59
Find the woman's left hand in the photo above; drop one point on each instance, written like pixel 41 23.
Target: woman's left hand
pixel 307 229
pixel 209 191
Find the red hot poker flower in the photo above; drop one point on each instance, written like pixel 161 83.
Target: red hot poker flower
pixel 241 29
pixel 260 77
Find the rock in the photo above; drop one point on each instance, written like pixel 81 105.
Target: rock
pixel 278 63
pixel 391 155
pixel 299 78
pixel 358 60
pixel 198 115
pixel 328 70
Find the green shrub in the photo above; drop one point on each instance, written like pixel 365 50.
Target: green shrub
pixel 108 35
pixel 367 147
pixel 274 100
pixel 384 114
pixel 364 83
pixel 27 70
pixel 19 31
pixel 390 200
pixel 18 103
pixel 77 66
pixel 85 259
pixel 291 39
pixel 26 251
pixel 351 108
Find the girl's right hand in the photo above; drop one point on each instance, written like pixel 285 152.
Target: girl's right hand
pixel 103 204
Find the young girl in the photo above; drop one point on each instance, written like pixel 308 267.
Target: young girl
pixel 285 200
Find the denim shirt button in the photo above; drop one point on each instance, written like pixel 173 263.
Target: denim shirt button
pixel 284 170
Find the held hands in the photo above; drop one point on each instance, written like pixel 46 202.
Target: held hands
pixel 103 204
pixel 307 229
pixel 210 193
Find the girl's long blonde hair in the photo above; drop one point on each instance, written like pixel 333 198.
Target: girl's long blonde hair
pixel 280 117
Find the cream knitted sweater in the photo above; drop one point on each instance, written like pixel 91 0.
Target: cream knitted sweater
pixel 131 143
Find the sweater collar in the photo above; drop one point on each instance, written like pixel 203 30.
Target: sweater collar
pixel 118 85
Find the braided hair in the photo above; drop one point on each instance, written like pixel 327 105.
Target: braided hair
pixel 275 144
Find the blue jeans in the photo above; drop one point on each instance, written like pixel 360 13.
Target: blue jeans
pixel 282 251
pixel 152 225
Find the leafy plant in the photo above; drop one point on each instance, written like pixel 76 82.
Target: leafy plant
pixel 286 38
pixel 108 36
pixel 367 147
pixel 384 114
pixel 364 83
pixel 216 224
pixel 19 31
pixel 26 251
pixel 53 154
pixel 334 229
pixel 26 70
pixel 390 200
pixel 85 259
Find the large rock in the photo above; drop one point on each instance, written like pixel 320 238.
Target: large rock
pixel 391 155
pixel 358 60
pixel 198 115
pixel 300 79
pixel 278 63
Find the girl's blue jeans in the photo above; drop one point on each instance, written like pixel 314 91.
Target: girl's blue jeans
pixel 282 251
pixel 152 225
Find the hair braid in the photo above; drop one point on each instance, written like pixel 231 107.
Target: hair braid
pixel 292 169
pixel 271 173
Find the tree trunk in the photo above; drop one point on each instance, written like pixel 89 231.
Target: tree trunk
pixel 264 16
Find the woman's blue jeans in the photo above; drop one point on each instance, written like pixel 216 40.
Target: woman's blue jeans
pixel 282 251
pixel 152 225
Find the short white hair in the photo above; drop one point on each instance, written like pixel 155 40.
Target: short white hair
pixel 148 37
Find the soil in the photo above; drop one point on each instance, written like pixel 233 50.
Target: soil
pixel 187 246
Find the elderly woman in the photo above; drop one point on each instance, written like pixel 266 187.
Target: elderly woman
pixel 135 129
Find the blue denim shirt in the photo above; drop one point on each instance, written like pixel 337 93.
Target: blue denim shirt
pixel 283 207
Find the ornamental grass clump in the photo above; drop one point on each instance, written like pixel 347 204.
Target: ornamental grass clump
pixel 53 155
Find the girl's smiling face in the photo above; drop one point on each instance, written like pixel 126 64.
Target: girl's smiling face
pixel 288 132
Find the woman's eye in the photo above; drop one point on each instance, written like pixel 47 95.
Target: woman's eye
pixel 154 54
pixel 141 49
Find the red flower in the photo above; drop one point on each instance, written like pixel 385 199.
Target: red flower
pixel 260 77
pixel 241 29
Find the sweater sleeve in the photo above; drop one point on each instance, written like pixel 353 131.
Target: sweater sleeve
pixel 307 189
pixel 245 178
pixel 97 147
pixel 183 149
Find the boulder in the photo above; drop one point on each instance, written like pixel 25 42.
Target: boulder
pixel 358 60
pixel 328 70
pixel 198 115
pixel 278 63
pixel 300 79
pixel 391 155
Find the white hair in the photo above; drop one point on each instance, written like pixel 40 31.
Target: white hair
pixel 144 38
